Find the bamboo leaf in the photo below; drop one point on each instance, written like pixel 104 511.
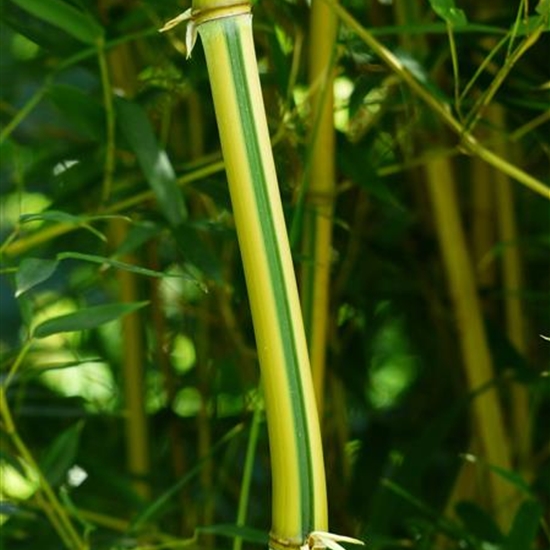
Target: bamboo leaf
pixel 153 160
pixel 478 522
pixel 102 260
pixel 525 527
pixel 86 114
pixel 63 15
pixel 13 462
pixel 543 8
pixel 87 318
pixel 61 454
pixel 534 23
pixel 512 477
pixel 447 10
pixel 31 272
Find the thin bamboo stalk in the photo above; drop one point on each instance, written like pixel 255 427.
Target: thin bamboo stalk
pixel 512 281
pixel 46 497
pixel 244 497
pixel 515 318
pixel 121 72
pixel 133 359
pixel 319 199
pixel 483 224
pixel 486 408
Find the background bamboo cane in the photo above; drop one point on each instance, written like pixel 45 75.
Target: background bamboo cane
pixel 477 359
pixel 320 191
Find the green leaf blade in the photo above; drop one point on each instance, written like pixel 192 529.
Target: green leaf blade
pixel 31 272
pixel 447 10
pixel 64 16
pixel 80 109
pixel 87 318
pixel 61 454
pixel 153 160
pixel 116 264
pixel 525 526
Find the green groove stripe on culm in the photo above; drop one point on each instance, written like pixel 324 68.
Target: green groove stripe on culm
pixel 269 237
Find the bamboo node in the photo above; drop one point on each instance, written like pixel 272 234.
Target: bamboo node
pixel 277 543
pixel 317 540
pixel 195 18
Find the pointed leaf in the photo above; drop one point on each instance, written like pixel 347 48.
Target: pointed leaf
pixel 86 114
pixel 14 462
pixel 543 8
pixel 31 272
pixel 102 260
pixel 513 478
pixel 525 527
pixel 447 10
pixel 153 160
pixel 478 522
pixel 87 318
pixel 63 15
pixel 61 454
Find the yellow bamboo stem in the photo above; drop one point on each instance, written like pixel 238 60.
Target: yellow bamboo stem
pixel 133 360
pixel 123 75
pixel 487 413
pixel 319 203
pixel 299 498
pixel 512 282
pixel 204 429
pixel 483 224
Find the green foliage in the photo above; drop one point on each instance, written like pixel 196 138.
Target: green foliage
pixel 31 272
pixel 447 10
pixel 397 420
pixel 524 530
pixel 78 23
pixel 154 162
pixel 85 319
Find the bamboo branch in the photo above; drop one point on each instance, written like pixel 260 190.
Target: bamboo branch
pixel 467 140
